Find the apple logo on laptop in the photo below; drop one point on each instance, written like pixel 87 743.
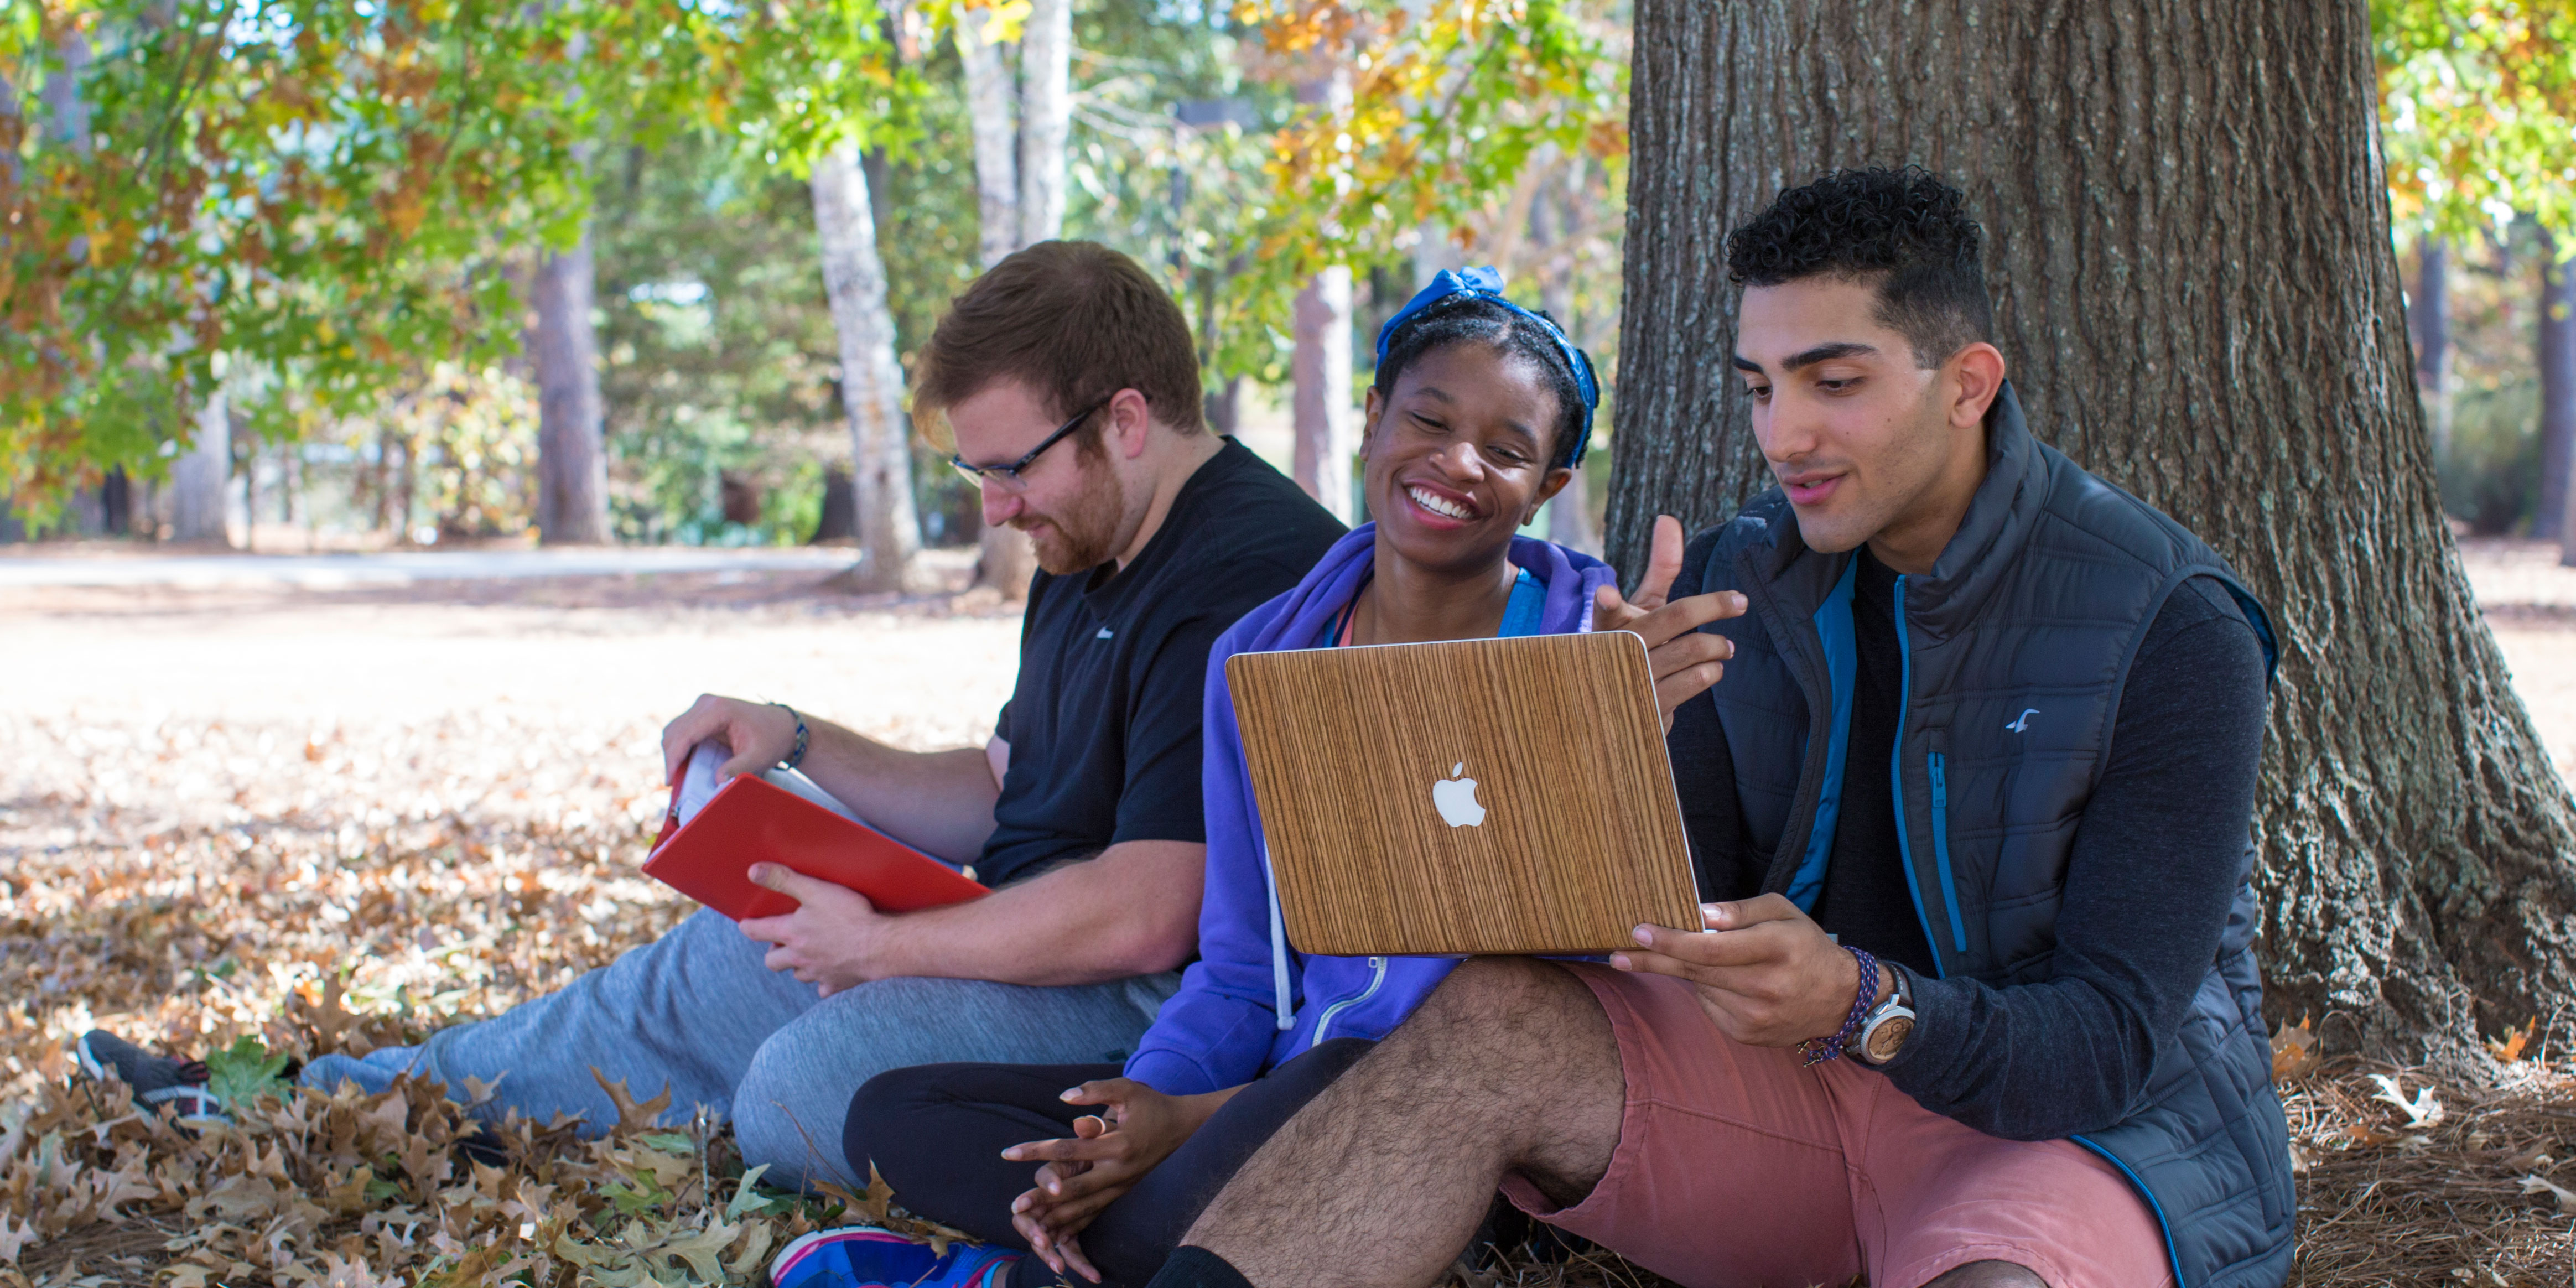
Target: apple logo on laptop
pixel 1455 798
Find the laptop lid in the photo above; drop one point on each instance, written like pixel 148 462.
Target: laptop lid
pixel 1469 796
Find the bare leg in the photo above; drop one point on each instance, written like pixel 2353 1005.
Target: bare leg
pixel 1509 1066
pixel 1989 1274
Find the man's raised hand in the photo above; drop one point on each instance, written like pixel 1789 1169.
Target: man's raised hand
pixel 1684 660
pixel 760 734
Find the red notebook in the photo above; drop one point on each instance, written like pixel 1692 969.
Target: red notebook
pixel 749 821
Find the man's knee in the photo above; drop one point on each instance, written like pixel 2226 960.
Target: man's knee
pixel 1494 995
pixel 1989 1274
pixel 787 1117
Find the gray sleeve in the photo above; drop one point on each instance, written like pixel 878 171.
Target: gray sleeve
pixel 2157 860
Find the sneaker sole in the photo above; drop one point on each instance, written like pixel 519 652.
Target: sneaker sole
pixel 803 1244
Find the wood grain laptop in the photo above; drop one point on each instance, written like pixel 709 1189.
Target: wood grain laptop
pixel 1475 796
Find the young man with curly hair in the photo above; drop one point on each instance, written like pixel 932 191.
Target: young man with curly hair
pixel 1974 1003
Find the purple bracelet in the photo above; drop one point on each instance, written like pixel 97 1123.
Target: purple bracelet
pixel 1819 1050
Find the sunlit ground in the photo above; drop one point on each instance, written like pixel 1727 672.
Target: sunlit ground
pixel 214 802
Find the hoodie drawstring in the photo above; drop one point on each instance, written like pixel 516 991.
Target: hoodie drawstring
pixel 1278 942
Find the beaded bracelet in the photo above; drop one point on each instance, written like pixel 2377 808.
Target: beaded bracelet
pixel 796 757
pixel 1819 1050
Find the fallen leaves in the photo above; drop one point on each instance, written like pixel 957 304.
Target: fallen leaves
pixel 2294 1052
pixel 2423 1109
pixel 2406 1175
pixel 2509 1048
pixel 240 1074
pixel 2543 1185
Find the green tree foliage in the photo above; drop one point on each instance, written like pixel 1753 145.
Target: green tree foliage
pixel 2478 111
pixel 308 186
pixel 1450 102
pixel 334 193
pixel 717 345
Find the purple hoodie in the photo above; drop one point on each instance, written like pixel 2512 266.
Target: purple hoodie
pixel 1251 1002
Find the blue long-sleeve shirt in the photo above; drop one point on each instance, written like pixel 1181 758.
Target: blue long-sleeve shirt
pixel 2155 865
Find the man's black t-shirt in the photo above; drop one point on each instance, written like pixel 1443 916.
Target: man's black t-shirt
pixel 1104 722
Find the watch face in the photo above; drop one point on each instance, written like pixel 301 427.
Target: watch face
pixel 1885 1040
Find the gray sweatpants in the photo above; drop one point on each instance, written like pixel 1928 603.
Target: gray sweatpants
pixel 695 1012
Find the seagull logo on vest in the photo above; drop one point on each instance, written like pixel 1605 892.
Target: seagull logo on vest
pixel 2023 724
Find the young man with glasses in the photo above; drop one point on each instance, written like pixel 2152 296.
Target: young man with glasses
pixel 1071 385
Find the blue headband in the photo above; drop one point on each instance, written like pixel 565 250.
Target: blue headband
pixel 1487 284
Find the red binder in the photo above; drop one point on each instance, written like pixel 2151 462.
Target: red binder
pixel 749 821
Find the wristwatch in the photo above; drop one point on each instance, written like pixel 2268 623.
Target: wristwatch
pixel 1884 1030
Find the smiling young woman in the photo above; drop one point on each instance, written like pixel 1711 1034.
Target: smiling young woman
pixel 1479 413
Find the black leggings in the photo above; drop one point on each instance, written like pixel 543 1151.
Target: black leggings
pixel 936 1133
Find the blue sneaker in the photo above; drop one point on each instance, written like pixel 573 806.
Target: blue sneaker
pixel 862 1256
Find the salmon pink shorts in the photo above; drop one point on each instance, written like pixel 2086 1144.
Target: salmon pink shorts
pixel 1736 1166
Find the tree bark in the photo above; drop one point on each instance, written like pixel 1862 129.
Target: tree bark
pixel 2188 250
pixel 1551 222
pixel 1011 160
pixel 989 100
pixel 2428 317
pixel 201 477
pixel 1320 370
pixel 2557 363
pixel 871 381
pixel 572 466
pixel 1046 117
pixel 66 113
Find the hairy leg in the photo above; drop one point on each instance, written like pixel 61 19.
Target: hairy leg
pixel 1989 1274
pixel 1509 1066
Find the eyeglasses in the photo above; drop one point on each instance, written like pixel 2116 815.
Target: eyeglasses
pixel 1008 476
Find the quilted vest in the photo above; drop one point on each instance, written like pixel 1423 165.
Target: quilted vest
pixel 2015 648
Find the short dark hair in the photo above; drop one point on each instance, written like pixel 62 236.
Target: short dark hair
pixel 1906 228
pixel 1075 321
pixel 1467 319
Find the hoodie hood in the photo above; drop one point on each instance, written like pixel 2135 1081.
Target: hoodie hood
pixel 1298 618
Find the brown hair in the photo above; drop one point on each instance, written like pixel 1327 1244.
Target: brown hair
pixel 1075 321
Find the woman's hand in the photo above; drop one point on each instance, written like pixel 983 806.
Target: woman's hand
pixel 1684 660
pixel 1104 1158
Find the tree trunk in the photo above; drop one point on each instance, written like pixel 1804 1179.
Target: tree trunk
pixel 1046 117
pixel 2209 315
pixel 1551 222
pixel 250 496
pixel 200 478
pixel 871 382
pixel 2557 363
pixel 66 113
pixel 2429 318
pixel 572 467
pixel 1223 407
pixel 1321 369
pixel 989 100
pixel 1011 159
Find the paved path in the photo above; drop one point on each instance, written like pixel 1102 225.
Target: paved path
pixel 334 572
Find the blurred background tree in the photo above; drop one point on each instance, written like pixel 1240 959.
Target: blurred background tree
pixel 248 243
pixel 2478 123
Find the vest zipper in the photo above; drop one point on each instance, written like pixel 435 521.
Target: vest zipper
pixel 1934 763
pixel 1376 965
pixel 1896 783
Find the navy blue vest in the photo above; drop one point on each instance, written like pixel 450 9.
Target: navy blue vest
pixel 2039 601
